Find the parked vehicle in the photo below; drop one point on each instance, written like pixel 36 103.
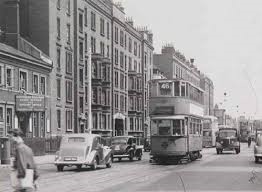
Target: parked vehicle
pixel 126 147
pixel 227 139
pixel 258 148
pixel 83 149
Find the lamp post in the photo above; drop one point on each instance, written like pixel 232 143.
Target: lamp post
pixel 89 92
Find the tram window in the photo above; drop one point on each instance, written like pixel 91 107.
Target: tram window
pixel 176 127
pixel 177 89
pixel 164 131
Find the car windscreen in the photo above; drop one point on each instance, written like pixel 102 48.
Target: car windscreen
pixel 76 140
pixel 259 141
pixel 227 134
pixel 116 141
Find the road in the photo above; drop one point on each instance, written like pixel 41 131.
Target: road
pixel 226 172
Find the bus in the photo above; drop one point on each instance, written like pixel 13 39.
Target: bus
pixel 176 112
pixel 210 129
pixel 244 130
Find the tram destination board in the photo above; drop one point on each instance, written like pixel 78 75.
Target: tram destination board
pixel 30 103
pixel 164 110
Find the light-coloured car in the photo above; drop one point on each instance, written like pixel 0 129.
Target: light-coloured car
pixel 83 149
pixel 258 148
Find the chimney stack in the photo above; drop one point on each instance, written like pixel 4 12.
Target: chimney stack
pixel 11 22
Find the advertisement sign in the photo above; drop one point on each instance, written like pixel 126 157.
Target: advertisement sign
pixel 30 103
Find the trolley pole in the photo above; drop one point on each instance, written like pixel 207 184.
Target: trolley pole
pixel 89 95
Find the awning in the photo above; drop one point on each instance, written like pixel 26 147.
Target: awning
pixel 173 117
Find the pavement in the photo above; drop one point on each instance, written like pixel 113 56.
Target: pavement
pixel 40 160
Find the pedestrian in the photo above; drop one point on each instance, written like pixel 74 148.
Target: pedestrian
pixel 249 141
pixel 23 164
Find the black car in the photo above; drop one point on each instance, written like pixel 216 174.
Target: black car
pixel 126 147
pixel 147 146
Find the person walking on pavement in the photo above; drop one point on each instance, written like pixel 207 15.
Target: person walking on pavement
pixel 249 141
pixel 24 159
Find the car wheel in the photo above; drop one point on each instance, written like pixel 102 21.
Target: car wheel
pixel 131 156
pixel 109 164
pixel 139 158
pixel 60 168
pixel 94 166
pixel 256 159
pixel 79 167
pixel 218 151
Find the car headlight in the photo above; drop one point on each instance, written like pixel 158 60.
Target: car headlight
pixel 221 142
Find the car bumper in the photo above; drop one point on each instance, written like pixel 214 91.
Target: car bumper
pixel 71 163
pixel 120 156
pixel 258 155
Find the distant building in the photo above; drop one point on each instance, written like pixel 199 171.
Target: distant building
pixel 207 85
pixel 220 114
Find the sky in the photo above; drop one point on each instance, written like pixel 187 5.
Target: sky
pixel 223 36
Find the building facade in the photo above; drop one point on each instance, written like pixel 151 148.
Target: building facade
pixel 65 30
pixel 207 85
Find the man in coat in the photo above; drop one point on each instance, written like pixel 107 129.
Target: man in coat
pixel 24 157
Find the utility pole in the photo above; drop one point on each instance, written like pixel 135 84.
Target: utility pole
pixel 89 92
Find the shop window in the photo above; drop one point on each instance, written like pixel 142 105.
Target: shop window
pixel 35 124
pixel 9 118
pixel 23 80
pixel 42 124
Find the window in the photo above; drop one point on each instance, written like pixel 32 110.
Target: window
pixel 81 77
pixel 23 80
pixel 81 51
pixel 93 45
pixel 129 63
pixel 69 89
pixel 93 21
pixel 107 30
pixel 102 48
pixel 86 68
pixel 139 51
pixel 116 34
pixel 58 28
pixel 108 51
pixel 69 120
pixel 81 104
pixel 69 62
pixel 95 121
pixel 164 127
pixel 58 57
pixel 116 56
pixel 68 7
pixel 58 117
pixel 35 83
pixel 94 95
pixel 9 118
pixel 177 89
pixel 2 75
pixel 165 88
pixel 81 23
pixel 1 114
pixel 116 101
pixel 183 89
pixel 116 79
pixel 102 26
pixel 58 88
pixel 86 42
pixel 135 48
pixel 130 45
pixel 85 16
pixel 122 81
pixel 131 123
pixel 121 38
pixel 122 59
pixel 68 36
pixel 9 77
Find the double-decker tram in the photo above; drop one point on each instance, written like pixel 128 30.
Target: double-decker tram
pixel 210 130
pixel 176 112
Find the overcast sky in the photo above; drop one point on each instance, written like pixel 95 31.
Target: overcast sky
pixel 223 36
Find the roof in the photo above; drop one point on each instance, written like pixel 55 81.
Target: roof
pixel 20 55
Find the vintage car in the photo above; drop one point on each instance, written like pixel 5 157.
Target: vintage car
pixel 126 147
pixel 258 148
pixel 227 139
pixel 83 149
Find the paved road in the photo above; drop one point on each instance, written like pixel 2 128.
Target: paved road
pixel 226 172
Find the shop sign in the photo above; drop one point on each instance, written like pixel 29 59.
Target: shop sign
pixel 30 103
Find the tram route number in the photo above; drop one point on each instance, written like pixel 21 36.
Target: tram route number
pixel 165 86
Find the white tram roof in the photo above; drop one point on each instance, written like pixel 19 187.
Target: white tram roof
pixel 170 117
